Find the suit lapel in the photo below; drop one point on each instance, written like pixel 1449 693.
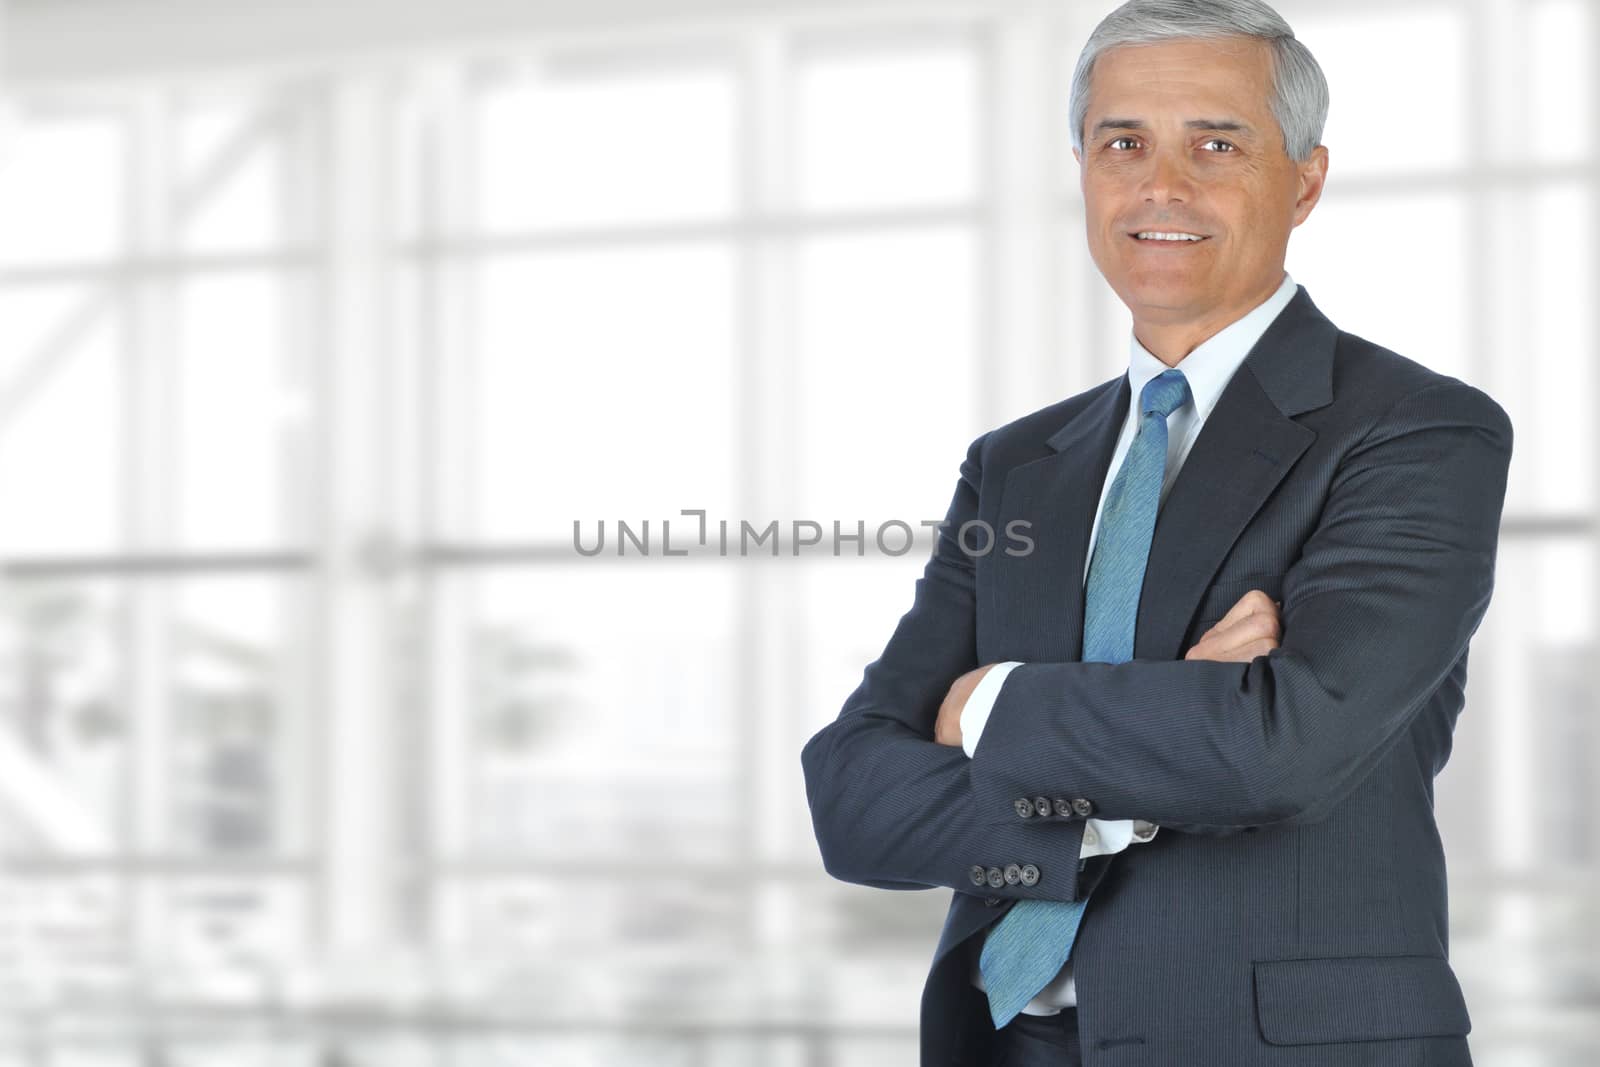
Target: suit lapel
pixel 1057 495
pixel 1247 446
pixel 1244 450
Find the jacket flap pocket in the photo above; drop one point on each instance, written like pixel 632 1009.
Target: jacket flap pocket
pixel 1358 998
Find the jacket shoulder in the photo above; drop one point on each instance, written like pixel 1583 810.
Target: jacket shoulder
pixel 1375 380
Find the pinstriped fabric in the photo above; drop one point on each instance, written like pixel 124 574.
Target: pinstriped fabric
pixel 1028 947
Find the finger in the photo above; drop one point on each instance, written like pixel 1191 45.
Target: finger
pixel 1252 603
pixel 1250 611
pixel 1246 631
pixel 1216 650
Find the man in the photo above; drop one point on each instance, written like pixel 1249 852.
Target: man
pixel 1175 754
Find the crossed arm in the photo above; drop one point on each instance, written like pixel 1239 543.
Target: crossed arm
pixel 1249 629
pixel 1376 611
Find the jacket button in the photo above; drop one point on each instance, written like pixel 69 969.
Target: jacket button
pixel 997 877
pixel 978 875
pixel 1041 805
pixel 1064 807
pixel 1013 874
pixel 1024 806
pixel 1083 807
pixel 1030 874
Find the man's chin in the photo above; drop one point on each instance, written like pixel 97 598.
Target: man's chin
pixel 1161 301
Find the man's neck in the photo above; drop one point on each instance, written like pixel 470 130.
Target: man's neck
pixel 1170 342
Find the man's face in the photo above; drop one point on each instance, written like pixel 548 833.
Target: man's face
pixel 1180 138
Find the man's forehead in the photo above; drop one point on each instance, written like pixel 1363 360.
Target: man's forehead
pixel 1219 63
pixel 1232 48
pixel 1145 82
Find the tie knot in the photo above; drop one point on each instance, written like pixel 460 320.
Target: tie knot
pixel 1165 393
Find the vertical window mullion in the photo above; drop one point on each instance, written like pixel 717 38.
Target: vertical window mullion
pixel 446 363
pixel 151 472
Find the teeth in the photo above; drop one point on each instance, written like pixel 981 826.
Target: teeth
pixel 1152 235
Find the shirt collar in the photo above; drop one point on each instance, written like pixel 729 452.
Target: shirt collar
pixel 1210 366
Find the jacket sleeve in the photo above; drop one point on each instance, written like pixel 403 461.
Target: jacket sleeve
pixel 892 808
pixel 1376 612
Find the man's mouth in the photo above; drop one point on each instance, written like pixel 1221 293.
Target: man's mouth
pixel 1175 237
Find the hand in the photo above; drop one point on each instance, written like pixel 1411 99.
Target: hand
pixel 947 728
pixel 1251 628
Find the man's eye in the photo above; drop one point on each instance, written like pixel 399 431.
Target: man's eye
pixel 1228 147
pixel 1120 140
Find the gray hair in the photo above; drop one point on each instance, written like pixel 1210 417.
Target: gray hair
pixel 1300 92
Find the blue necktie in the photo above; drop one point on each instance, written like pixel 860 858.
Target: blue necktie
pixel 1028 947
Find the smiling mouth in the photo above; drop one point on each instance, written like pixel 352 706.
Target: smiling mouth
pixel 1168 238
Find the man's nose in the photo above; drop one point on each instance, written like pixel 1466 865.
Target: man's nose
pixel 1167 179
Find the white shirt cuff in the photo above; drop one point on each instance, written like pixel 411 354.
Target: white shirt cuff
pixel 976 712
pixel 1102 837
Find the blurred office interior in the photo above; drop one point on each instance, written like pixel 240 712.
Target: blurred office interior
pixel 321 324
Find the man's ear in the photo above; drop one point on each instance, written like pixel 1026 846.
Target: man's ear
pixel 1313 174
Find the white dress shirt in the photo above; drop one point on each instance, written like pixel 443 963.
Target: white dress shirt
pixel 1208 369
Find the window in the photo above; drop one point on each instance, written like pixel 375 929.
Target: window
pixel 309 380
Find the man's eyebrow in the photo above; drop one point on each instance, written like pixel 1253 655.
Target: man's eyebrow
pixel 1231 125
pixel 1116 124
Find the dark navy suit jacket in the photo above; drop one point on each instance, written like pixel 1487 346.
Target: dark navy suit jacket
pixel 1292 910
